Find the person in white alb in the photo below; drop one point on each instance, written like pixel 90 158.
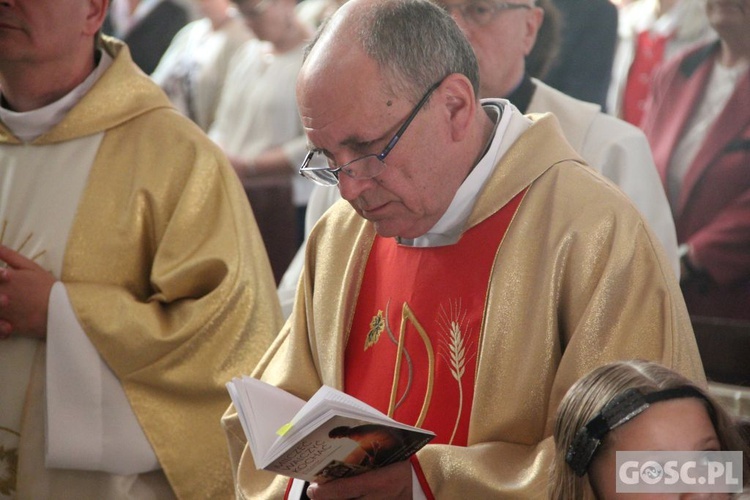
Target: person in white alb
pixel 133 280
pixel 193 69
pixel 257 123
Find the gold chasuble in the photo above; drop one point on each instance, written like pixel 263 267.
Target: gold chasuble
pixel 166 274
pixel 412 351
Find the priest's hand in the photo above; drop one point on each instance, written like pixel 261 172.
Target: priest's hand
pixel 24 295
pixel 391 482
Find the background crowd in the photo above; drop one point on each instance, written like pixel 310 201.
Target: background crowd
pixel 157 238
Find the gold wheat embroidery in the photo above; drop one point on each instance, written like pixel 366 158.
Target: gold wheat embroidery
pixel 456 352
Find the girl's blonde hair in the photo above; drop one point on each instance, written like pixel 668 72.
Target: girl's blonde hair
pixel 591 393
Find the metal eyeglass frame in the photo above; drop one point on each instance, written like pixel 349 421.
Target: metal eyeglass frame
pixel 493 7
pixel 327 176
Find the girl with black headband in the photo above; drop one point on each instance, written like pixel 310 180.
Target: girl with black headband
pixel 632 406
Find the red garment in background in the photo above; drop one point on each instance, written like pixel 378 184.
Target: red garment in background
pixel 649 53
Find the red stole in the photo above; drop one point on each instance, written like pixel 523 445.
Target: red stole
pixel 431 301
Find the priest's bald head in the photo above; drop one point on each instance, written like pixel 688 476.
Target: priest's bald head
pixel 388 94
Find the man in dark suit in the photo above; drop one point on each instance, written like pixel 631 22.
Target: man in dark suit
pixel 147 27
pixel 583 67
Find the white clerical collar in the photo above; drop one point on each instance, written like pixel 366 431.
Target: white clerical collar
pixel 451 225
pixel 29 125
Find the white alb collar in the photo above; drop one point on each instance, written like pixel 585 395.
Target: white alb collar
pixel 29 125
pixel 451 225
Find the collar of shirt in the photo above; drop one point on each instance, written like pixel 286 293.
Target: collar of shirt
pixel 29 125
pixel 509 125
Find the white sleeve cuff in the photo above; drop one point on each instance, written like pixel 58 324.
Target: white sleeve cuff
pixel 90 424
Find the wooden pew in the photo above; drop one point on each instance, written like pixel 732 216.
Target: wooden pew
pixel 724 347
pixel 271 200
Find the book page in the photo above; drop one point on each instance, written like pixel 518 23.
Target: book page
pixel 326 395
pixel 263 409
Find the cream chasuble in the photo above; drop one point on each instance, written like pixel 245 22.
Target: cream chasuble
pixel 40 189
pixel 92 428
pixel 164 273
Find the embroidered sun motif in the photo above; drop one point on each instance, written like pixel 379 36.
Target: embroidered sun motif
pixel 377 325
pixel 21 246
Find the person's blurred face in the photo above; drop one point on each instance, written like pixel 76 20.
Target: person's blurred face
pixel 41 31
pixel 673 425
pixel 268 19
pixel 349 115
pixel 501 43
pixel 730 18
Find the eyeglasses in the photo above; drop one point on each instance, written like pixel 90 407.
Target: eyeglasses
pixel 481 12
pixel 256 10
pixel 364 167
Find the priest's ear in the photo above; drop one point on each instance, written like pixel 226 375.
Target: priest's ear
pixel 460 103
pixel 95 15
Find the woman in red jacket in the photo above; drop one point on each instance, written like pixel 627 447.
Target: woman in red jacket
pixel 698 123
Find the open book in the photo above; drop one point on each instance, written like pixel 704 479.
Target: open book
pixel 331 436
